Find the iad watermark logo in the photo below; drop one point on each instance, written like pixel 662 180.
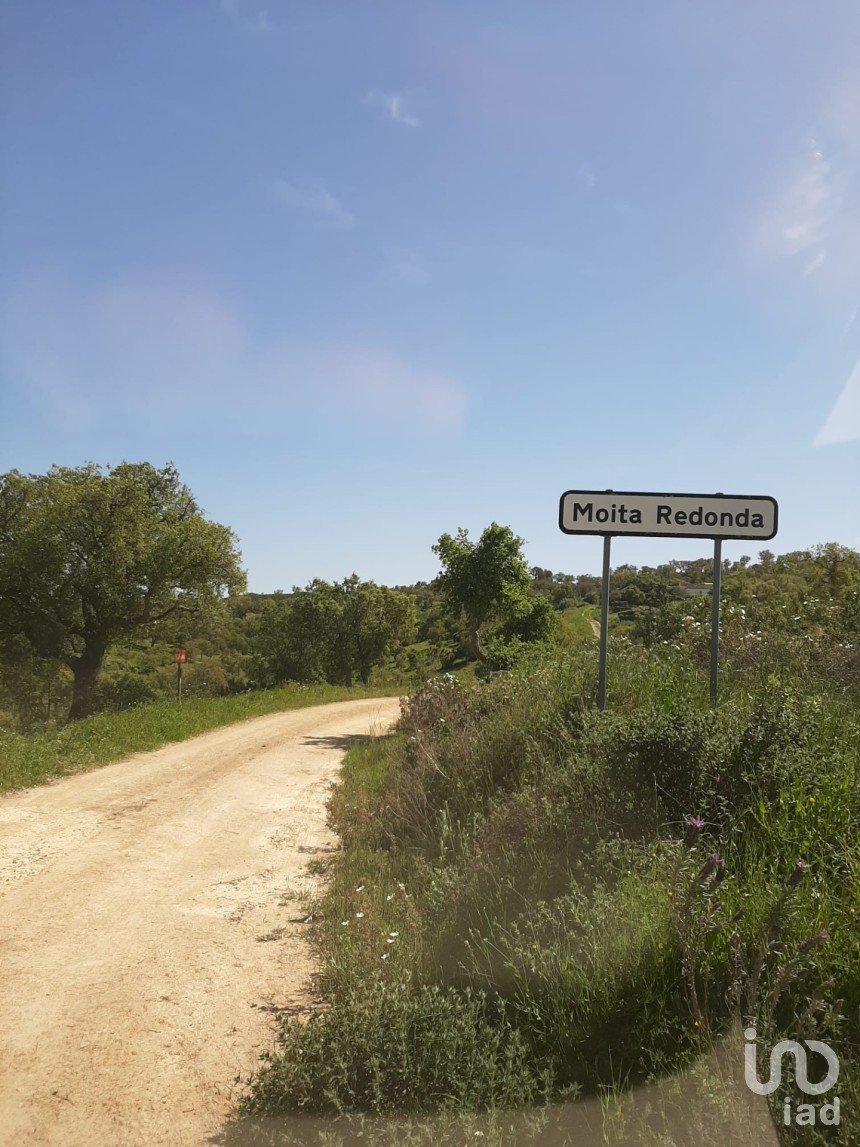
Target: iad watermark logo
pixel 803 1114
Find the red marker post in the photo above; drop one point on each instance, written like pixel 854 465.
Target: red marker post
pixel 181 658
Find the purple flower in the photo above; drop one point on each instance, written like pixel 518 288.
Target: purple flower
pixel 813 942
pixel 694 826
pixel 714 866
pixel 797 874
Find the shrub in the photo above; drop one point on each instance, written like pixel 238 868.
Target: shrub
pixel 390 1048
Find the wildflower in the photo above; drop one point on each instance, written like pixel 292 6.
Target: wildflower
pixel 360 888
pixel 359 915
pixel 390 940
pixel 800 867
pixel 694 826
pixel 402 887
pixel 390 896
pixel 385 955
pixel 344 923
pixel 813 942
pixel 393 933
pixel 714 866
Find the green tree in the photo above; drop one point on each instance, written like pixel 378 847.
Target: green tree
pixel 293 638
pixel 374 620
pixel 333 632
pixel 489 580
pixel 90 555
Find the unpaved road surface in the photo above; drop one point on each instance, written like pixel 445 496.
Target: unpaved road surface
pixel 150 927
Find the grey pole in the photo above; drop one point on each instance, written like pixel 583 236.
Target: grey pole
pixel 715 615
pixel 604 624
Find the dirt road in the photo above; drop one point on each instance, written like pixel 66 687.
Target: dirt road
pixel 150 927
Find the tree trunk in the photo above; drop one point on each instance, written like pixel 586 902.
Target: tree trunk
pixel 474 644
pixel 85 678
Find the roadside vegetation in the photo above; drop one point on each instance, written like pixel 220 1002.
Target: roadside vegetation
pixel 33 758
pixel 535 902
pixel 538 903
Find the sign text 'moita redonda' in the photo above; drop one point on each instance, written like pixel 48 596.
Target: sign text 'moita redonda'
pixel 668 515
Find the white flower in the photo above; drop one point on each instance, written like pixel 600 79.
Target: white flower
pixel 389 940
pixel 359 915
pixel 385 955
pixel 390 896
pixel 360 888
pixel 344 923
pixel 393 933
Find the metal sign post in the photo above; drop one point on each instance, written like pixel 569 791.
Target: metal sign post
pixel 715 616
pixel 604 625
pixel 715 516
pixel 181 657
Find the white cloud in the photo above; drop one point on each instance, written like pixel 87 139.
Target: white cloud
pixel 843 422
pixel 409 267
pixel 815 261
pixel 239 13
pixel 392 106
pixel 316 202
pixel 176 353
pixel 586 176
pixel 374 383
pixel 801 219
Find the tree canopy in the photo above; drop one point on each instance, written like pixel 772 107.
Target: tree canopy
pixel 489 580
pixel 333 631
pixel 89 555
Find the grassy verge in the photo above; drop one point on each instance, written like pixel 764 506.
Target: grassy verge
pixel 536 901
pixel 575 624
pixel 37 757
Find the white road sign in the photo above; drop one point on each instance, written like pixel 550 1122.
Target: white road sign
pixel 668 515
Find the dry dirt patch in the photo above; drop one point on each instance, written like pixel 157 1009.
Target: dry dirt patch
pixel 151 930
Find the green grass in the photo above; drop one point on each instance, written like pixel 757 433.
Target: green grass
pixel 34 758
pixel 523 856
pixel 575 624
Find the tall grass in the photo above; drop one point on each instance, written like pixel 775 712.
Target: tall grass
pixel 609 893
pixel 31 759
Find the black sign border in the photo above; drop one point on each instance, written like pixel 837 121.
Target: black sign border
pixel 664 494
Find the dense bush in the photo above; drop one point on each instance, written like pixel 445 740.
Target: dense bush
pixel 391 1048
pixel 626 886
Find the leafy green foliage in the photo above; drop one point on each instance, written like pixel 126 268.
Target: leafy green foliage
pixel 89 556
pixel 393 1049
pixel 333 632
pixel 488 580
pixel 512 843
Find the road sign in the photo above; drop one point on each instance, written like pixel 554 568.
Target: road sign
pixel 752 517
pixel 181 656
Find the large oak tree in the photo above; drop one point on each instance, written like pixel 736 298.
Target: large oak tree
pixel 90 555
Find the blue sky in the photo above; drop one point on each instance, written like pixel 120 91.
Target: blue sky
pixel 368 272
